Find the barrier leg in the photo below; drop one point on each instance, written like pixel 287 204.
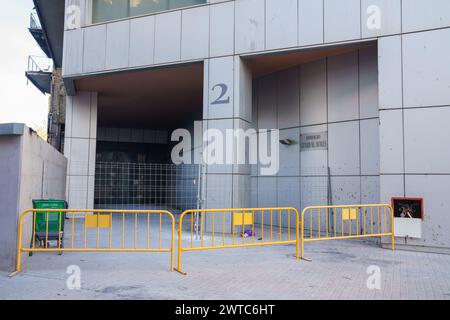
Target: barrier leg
pixel 172 244
pixel 297 241
pixel 392 229
pixel 392 241
pixel 302 240
pixel 178 269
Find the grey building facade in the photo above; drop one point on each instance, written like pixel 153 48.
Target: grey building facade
pixel 370 76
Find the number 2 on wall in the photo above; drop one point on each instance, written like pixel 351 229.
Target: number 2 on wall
pixel 221 99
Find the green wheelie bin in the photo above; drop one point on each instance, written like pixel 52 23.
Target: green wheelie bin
pixel 49 226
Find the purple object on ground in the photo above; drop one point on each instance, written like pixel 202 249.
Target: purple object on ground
pixel 248 233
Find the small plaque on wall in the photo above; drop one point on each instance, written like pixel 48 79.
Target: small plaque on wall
pixel 314 141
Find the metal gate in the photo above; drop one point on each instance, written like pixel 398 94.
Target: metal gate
pixel 147 186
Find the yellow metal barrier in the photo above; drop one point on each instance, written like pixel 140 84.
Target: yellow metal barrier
pixel 98 231
pixel 322 223
pixel 237 228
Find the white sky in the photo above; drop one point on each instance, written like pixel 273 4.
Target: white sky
pixel 19 102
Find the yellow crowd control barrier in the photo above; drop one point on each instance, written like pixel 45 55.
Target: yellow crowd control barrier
pixel 322 223
pixel 209 229
pixel 96 231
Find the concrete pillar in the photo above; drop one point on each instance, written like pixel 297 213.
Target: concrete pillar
pixel 80 149
pixel 227 105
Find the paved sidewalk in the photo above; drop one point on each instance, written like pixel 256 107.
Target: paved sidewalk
pixel 338 271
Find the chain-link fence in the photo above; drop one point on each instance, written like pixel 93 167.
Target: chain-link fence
pixel 147 186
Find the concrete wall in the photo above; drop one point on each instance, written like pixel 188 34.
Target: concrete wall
pixel 30 169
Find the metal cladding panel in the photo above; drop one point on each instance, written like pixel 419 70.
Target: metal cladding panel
pixel 391 141
pixel 117 44
pixel 427 137
pixel 79 155
pixel 343 82
pixel 241 194
pixel 391 186
pixel 281 23
pixel 290 155
pixel 168 37
pixel 288 195
pixel 242 90
pixel 81 104
pixel 310 22
pixel 249 26
pixel 390 72
pixel 267 195
pixel 267 98
pixel 73 52
pixel 195 33
pixel 313 162
pixel 221 88
pixel 346 190
pixel 344 154
pixel 219 190
pixel 221 126
pixel 387 11
pixel 94 48
pixel 368 83
pixel 370 147
pixel 142 41
pixel 313 95
pixel 426 66
pixel 221 29
pixel 342 20
pixel 424 14
pixel 434 189
pixel 370 190
pixel 288 92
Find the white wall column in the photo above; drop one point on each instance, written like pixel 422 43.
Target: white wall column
pixel 80 149
pixel 227 105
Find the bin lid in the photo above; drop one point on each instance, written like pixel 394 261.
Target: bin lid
pixel 49 204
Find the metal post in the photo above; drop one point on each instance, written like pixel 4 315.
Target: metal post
pixel 199 200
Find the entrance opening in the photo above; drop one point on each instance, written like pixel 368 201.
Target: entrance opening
pixel 137 112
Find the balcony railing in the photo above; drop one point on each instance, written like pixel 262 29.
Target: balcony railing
pixel 34 21
pixel 40 73
pixel 37 32
pixel 39 64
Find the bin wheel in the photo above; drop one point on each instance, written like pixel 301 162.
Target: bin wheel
pixel 62 247
pixel 31 246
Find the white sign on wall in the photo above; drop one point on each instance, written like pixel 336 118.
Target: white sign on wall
pixel 314 141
